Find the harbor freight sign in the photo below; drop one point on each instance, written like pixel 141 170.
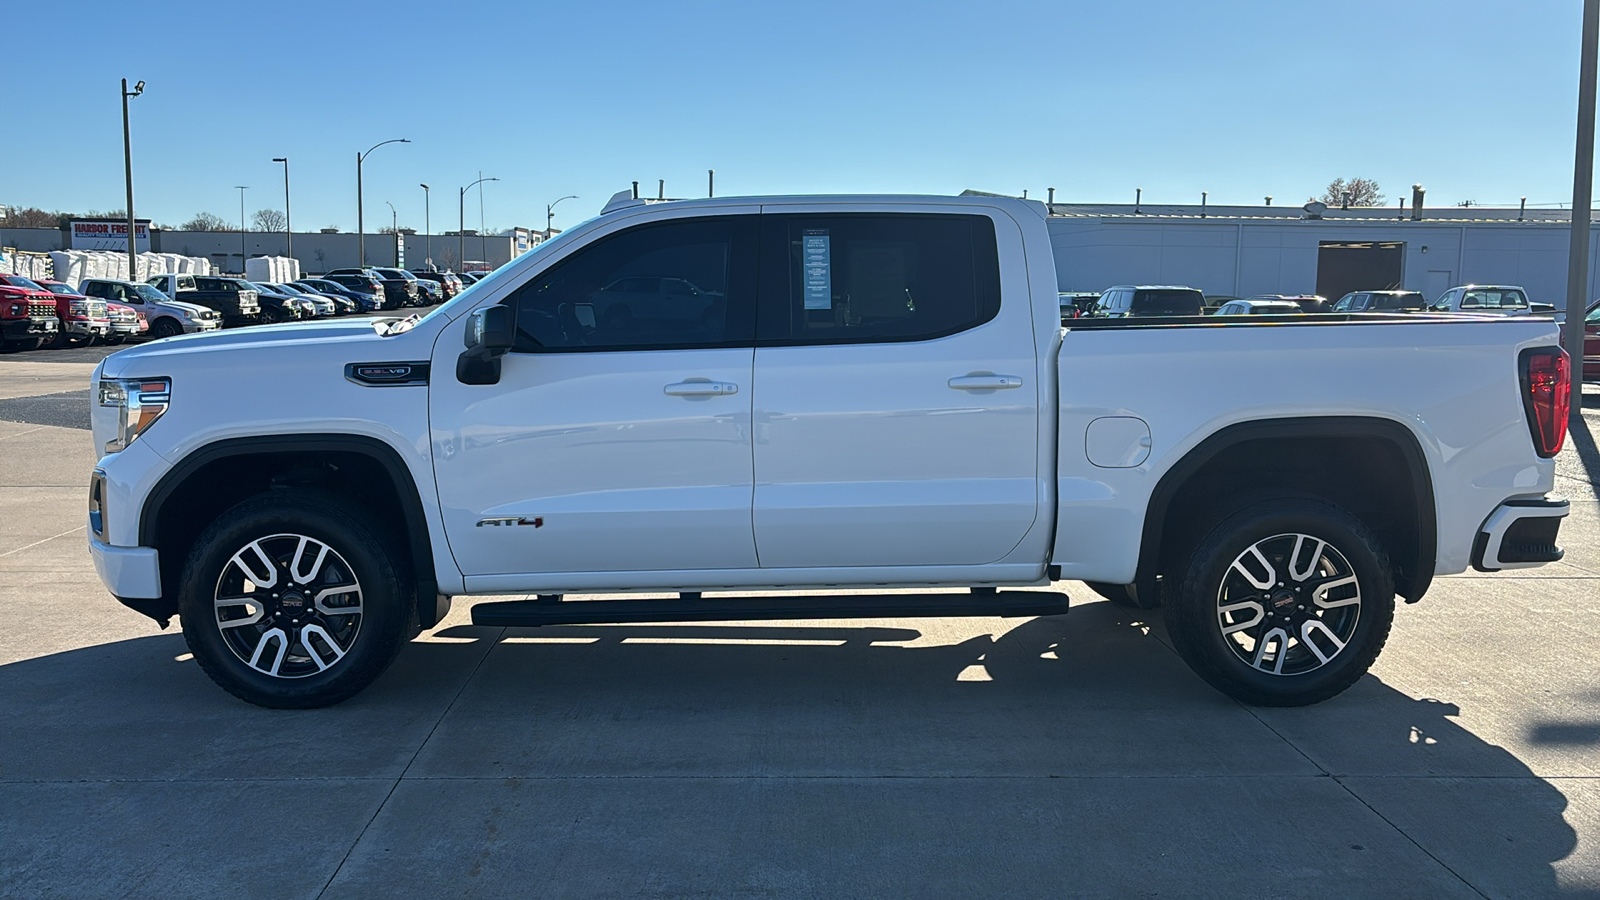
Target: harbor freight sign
pixel 110 234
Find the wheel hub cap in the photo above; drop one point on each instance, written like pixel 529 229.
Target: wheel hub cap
pixel 1289 604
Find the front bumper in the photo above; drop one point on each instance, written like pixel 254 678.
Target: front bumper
pixel 130 573
pixel 125 328
pixel 87 327
pixel 191 327
pixel 21 329
pixel 1520 534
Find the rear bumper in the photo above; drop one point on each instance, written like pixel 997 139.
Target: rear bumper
pixel 130 573
pixel 1520 534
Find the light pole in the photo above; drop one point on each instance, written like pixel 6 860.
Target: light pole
pixel 461 228
pixel 549 213
pixel 127 161
pixel 427 225
pixel 394 229
pixel 288 228
pixel 361 226
pixel 1582 199
pixel 243 253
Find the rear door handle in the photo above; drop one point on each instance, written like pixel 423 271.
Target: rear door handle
pixel 985 382
pixel 701 389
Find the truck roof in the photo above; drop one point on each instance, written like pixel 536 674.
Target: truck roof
pixel 625 200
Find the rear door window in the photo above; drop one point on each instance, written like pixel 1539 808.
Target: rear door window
pixel 875 277
pixel 1167 303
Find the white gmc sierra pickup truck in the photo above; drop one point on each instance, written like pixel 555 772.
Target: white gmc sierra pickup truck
pixel 850 393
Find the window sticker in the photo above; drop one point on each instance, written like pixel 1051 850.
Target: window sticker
pixel 815 258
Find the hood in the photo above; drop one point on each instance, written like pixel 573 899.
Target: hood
pixel 192 310
pixel 337 339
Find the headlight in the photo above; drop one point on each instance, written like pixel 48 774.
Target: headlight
pixel 139 402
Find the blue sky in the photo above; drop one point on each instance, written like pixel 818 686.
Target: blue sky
pixel 1473 98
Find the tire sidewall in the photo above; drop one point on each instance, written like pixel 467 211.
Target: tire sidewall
pixel 384 615
pixel 1192 617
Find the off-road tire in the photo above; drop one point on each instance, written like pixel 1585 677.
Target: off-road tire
pixel 386 610
pixel 1195 624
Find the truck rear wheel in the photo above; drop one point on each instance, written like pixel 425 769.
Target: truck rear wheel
pixel 290 602
pixel 1285 603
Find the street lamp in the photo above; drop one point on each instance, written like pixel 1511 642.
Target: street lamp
pixel 549 213
pixel 127 161
pixel 427 226
pixel 242 232
pixel 361 230
pixel 461 228
pixel 288 229
pixel 394 229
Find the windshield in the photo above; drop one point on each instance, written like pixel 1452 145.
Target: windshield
pixel 64 290
pixel 19 281
pixel 252 286
pixel 1167 303
pixel 149 294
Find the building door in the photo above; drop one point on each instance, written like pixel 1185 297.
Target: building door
pixel 1345 266
pixel 1437 282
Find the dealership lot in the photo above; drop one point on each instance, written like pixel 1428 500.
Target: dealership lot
pixel 1064 755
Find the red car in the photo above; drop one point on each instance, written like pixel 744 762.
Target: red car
pixel 27 314
pixel 126 322
pixel 1591 343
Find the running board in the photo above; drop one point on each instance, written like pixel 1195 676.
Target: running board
pixel 533 613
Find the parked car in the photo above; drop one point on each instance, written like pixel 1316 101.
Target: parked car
pixel 79 319
pixel 1591 343
pixel 1145 300
pixel 234 298
pixel 1311 303
pixel 363 283
pixel 126 322
pixel 362 302
pixel 1076 304
pixel 1255 307
pixel 167 317
pixel 430 293
pixel 1494 300
pixel 914 416
pixel 470 278
pixel 277 306
pixel 27 314
pixel 321 307
pixel 1381 301
pixel 327 304
pixel 402 284
pixel 448 280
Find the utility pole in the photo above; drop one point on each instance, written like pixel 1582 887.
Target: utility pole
pixel 461 227
pixel 127 161
pixel 427 226
pixel 1582 199
pixel 288 227
pixel 361 225
pixel 243 232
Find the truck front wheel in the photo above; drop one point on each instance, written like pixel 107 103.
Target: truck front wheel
pixel 1285 603
pixel 289 601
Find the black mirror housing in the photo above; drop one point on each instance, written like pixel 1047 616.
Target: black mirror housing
pixel 490 332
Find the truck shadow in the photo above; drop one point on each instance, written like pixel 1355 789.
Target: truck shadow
pixel 1089 717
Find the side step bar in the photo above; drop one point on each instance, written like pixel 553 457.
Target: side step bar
pixel 533 613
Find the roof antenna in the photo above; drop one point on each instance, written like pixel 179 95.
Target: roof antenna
pixel 711 182
pixel 1203 204
pixel 636 190
pixel 1138 195
pixel 1523 209
pixel 661 189
pixel 1052 200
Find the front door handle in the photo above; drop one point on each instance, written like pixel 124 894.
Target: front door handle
pixel 985 382
pixel 701 389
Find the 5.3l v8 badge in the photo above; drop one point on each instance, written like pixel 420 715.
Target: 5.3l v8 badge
pixel 537 521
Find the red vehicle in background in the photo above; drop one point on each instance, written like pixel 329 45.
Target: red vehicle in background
pixel 1591 343
pixel 126 323
pixel 82 320
pixel 27 314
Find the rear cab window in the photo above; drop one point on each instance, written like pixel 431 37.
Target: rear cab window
pixel 1494 298
pixel 1167 302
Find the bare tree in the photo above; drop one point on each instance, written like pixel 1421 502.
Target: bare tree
pixel 205 222
pixel 269 220
pixel 33 217
pixel 389 229
pixel 1363 192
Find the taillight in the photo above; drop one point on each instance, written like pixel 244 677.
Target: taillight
pixel 1546 396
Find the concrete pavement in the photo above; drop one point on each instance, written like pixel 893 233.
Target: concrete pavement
pixel 1064 756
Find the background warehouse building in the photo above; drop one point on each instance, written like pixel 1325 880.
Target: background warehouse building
pixel 1240 251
